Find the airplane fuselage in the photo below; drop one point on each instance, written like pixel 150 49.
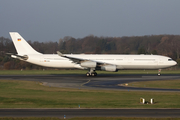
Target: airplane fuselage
pixel 121 61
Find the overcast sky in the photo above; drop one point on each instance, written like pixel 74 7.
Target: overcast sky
pixel 50 20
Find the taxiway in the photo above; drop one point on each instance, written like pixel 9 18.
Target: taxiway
pixel 110 82
pixel 69 113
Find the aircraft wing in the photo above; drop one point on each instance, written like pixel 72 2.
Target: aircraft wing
pixel 75 60
pixel 80 60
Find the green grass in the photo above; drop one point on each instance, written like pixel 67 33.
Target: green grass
pixel 48 72
pixel 90 118
pixel 169 84
pixel 29 94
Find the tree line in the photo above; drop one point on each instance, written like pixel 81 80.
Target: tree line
pixel 167 45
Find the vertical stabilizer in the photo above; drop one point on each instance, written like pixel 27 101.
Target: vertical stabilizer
pixel 22 47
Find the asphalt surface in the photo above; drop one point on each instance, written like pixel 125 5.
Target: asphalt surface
pixel 101 82
pixel 69 113
pixel 108 82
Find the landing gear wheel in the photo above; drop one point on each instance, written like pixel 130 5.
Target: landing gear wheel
pixel 88 74
pixel 95 74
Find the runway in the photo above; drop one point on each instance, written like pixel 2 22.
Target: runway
pixel 104 82
pixel 69 113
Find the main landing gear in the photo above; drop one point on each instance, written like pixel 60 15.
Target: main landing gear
pixel 91 72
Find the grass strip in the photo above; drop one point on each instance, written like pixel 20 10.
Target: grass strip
pixel 29 94
pixel 61 71
pixel 168 84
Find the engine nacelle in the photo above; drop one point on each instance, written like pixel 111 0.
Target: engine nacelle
pixel 89 64
pixel 111 68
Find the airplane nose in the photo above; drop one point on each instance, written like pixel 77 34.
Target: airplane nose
pixel 174 63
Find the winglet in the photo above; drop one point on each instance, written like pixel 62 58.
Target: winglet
pixel 60 54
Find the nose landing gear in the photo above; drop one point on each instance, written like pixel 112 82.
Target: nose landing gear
pixel 159 72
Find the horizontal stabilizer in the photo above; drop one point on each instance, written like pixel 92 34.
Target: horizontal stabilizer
pixel 24 57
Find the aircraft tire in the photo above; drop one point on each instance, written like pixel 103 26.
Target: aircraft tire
pixel 88 74
pixel 94 74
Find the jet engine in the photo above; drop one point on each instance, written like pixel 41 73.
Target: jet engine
pixel 111 68
pixel 89 64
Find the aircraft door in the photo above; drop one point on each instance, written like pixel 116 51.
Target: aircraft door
pixel 128 59
pixel 41 58
pixel 161 62
pixel 156 62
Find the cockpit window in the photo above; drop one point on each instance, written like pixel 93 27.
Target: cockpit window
pixel 170 59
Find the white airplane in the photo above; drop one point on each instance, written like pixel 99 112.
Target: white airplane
pixel 91 62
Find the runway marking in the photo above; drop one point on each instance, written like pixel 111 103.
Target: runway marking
pixel 85 82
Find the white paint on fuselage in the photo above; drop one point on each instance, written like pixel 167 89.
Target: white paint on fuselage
pixel 121 61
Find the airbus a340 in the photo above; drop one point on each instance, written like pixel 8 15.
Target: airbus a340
pixel 91 62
